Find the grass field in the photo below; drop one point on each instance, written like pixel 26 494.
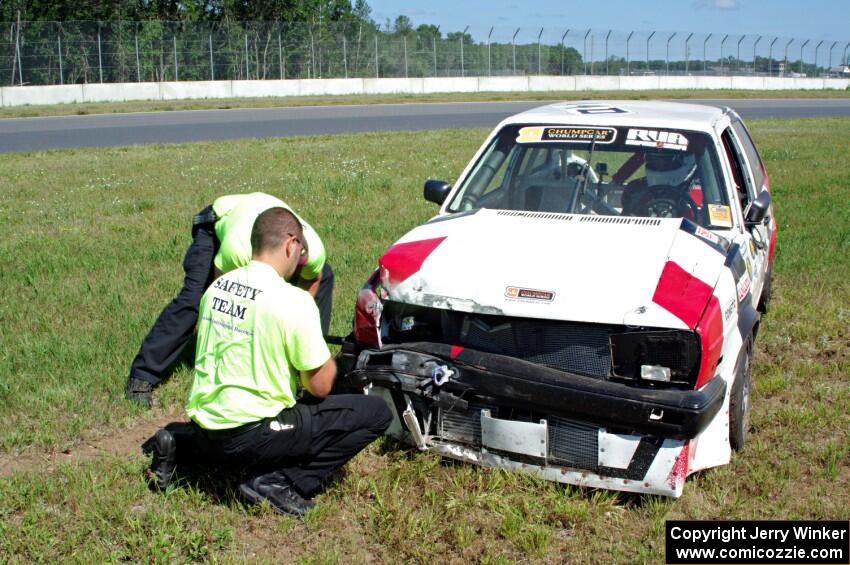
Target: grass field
pixel 272 102
pixel 91 250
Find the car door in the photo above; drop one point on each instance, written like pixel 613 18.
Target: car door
pixel 749 179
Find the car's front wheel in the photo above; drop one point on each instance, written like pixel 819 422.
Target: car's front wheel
pixel 739 401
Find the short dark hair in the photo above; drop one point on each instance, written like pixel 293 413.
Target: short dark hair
pixel 272 227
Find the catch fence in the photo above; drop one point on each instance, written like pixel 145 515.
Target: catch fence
pixel 46 53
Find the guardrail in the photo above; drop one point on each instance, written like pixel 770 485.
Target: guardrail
pixel 121 92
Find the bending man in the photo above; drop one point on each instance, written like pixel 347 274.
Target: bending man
pixel 221 242
pixel 259 337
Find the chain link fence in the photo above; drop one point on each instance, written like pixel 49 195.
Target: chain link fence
pixel 46 53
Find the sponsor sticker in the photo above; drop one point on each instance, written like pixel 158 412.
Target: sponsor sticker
pixel 528 294
pixel 743 286
pixel 720 215
pixel 565 134
pixel 657 138
pixel 729 310
pixel 707 235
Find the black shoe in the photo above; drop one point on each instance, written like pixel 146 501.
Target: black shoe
pixel 277 489
pixel 164 449
pixel 139 391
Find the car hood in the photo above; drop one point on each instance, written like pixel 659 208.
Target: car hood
pixel 597 269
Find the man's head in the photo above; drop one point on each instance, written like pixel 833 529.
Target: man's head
pixel 668 167
pixel 278 239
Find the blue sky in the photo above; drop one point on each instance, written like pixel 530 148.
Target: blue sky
pixel 810 19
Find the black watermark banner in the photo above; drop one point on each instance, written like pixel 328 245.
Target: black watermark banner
pixel 757 542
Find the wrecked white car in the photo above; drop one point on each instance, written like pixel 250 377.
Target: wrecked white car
pixel 585 303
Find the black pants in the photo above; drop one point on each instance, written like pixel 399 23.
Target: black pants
pixel 176 323
pixel 306 443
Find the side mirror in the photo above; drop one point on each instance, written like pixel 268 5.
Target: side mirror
pixel 436 191
pixel 757 209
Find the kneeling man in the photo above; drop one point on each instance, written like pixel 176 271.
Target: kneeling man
pixel 259 338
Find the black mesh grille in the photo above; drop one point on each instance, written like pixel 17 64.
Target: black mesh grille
pixel 463 426
pixel 578 348
pixel 573 444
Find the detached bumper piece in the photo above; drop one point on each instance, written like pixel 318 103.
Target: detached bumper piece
pixel 507 382
pixel 498 411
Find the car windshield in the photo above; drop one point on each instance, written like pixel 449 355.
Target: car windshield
pixel 599 170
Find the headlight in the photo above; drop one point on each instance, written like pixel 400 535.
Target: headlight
pixel 658 356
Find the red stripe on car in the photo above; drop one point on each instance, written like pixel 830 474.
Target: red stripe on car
pixel 710 330
pixel 455 351
pixel 404 259
pixel 681 294
pixel 772 245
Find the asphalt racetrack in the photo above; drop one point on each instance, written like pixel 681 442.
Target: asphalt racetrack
pixel 109 130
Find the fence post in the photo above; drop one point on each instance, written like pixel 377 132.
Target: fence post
pixel 754 54
pixel 687 52
pixel 404 40
pixel 704 60
pixel 435 55
pixel 722 41
pixel 801 54
pixel 377 73
pixel 539 64
pixel 785 66
pixel 816 55
pixel 462 73
pixel 489 68
pixel 834 43
pixel 562 50
pixel 584 53
pixel 668 51
pixel 513 49
pixel 344 55
pixel 313 55
pixel 176 72
pixel 770 57
pixel 280 57
pixel 18 52
pixel 99 58
pixel 138 64
pixel 647 50
pixel 212 64
pixel 61 77
pixel 247 64
pixel 738 56
pixel 606 51
pixel 628 39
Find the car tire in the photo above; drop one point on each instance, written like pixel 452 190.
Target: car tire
pixel 764 299
pixel 739 399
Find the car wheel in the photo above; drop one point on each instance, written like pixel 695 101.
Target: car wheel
pixel 739 400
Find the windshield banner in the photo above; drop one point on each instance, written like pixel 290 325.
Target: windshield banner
pixel 568 134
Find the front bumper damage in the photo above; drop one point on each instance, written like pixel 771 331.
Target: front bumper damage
pixel 499 411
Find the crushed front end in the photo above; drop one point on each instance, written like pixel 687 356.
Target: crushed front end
pixel 560 400
pixel 616 381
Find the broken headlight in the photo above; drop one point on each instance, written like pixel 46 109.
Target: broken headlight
pixel 656 356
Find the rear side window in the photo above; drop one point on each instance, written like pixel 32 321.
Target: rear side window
pixel 752 154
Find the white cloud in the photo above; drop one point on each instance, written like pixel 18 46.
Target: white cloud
pixel 718 4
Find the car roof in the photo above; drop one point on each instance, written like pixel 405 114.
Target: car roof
pixel 633 113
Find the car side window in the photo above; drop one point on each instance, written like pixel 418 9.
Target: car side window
pixel 752 154
pixel 743 183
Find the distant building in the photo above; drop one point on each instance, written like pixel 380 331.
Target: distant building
pixel 841 71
